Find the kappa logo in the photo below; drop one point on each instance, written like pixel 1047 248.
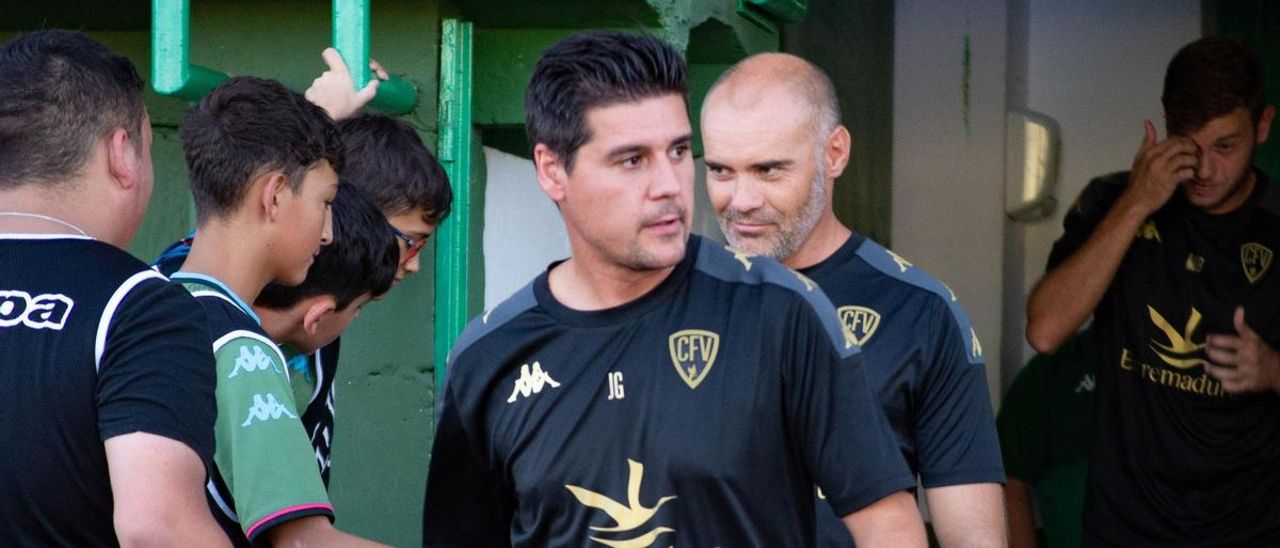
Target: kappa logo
pixel 250 362
pixel 1087 383
pixel 531 381
pixel 626 517
pixel 1181 350
pixel 37 312
pixel 861 322
pixel 1148 231
pixel 1255 258
pixel 742 256
pixel 1195 263
pixel 809 285
pixel 977 345
pixel 266 409
pixel 693 353
pixel 903 264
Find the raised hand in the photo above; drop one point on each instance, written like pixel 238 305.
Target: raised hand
pixel 334 90
pixel 1158 167
pixel 1242 362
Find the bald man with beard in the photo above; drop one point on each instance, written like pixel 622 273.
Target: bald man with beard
pixel 774 147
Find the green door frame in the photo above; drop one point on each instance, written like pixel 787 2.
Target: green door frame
pixel 453 244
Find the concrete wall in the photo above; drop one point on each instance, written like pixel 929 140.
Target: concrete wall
pixel 1096 67
pixel 948 141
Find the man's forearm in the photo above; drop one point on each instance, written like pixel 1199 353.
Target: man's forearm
pixel 893 521
pixel 1022 521
pixel 968 516
pixel 1066 295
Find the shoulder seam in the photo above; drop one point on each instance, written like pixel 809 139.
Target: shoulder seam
pixel 109 311
pixel 933 286
pixel 245 333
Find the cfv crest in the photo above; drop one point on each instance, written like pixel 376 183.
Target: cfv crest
pixel 693 353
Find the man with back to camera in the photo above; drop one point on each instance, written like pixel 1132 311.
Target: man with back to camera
pixel 654 388
pixel 774 147
pixel 1174 260
pixel 107 379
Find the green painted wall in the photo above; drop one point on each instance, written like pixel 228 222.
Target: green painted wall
pixel 853 41
pixel 1256 23
pixel 385 389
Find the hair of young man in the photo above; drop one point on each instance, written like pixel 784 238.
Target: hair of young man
pixel 60 92
pixel 1208 78
pixel 806 81
pixel 387 159
pixel 244 128
pixel 362 259
pixel 595 69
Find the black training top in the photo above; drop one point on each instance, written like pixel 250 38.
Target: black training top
pixel 95 345
pixel 701 414
pixel 1175 459
pixel 925 362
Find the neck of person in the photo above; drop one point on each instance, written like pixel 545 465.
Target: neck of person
pixel 226 250
pixel 585 282
pixel 32 209
pixel 279 324
pixel 825 239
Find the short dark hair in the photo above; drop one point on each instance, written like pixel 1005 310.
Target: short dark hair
pixel 595 69
pixel 246 127
pixel 387 159
pixel 60 92
pixel 1209 78
pixel 363 257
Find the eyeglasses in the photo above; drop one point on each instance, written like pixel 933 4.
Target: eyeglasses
pixel 411 248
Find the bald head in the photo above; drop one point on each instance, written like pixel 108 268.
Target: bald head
pixel 760 79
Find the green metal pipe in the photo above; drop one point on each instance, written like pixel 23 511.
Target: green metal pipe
pixel 453 246
pixel 171 70
pixel 351 39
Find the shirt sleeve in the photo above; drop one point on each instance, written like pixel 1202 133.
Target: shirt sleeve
pixel 467 502
pixel 840 428
pixel 156 372
pixel 263 453
pixel 1024 422
pixel 955 428
pixel 1085 213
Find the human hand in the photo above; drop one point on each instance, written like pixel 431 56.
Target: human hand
pixel 334 90
pixel 1158 167
pixel 1242 362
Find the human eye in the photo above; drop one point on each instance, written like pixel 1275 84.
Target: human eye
pixel 630 162
pixel 679 151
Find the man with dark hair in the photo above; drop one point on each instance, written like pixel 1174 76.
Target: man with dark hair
pixel 263 166
pixel 1174 259
pixel 654 388
pixel 774 148
pixel 107 379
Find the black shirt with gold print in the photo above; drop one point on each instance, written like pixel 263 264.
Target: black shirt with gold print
pixel 700 414
pixel 1177 460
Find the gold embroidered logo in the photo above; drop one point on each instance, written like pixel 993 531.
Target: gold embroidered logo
pixel 903 264
pixel 1195 263
pixel 742 256
pixel 693 352
pixel 1148 231
pixel 860 322
pixel 628 517
pixel 1181 350
pixel 1256 260
pixel 808 284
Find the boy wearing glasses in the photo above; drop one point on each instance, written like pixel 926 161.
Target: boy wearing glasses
pixel 386 159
